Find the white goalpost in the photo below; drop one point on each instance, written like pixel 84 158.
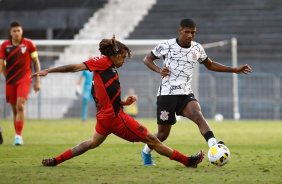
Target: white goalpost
pixel 236 112
pixel 49 48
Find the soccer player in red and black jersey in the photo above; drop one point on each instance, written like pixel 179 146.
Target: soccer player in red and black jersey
pixel 110 116
pixel 18 52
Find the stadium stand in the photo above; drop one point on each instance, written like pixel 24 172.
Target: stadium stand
pixel 257 27
pixel 256 24
pixel 100 25
pixel 64 17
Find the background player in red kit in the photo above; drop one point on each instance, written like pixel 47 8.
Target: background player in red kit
pixel 18 53
pixel 110 116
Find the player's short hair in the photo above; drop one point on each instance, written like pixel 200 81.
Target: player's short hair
pixel 187 23
pixel 110 47
pixel 16 24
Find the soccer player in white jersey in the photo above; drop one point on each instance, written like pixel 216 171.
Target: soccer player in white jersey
pixel 175 95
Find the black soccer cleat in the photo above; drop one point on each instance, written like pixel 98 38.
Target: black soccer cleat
pixel 220 142
pixel 49 162
pixel 196 159
pixel 1 137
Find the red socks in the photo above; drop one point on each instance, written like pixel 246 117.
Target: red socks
pixel 19 127
pixel 179 157
pixel 65 156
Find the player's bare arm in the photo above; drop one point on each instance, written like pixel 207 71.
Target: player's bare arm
pixel 129 100
pixel 149 62
pixel 4 68
pixel 36 66
pixel 61 69
pixel 1 65
pixel 214 66
pixel 245 69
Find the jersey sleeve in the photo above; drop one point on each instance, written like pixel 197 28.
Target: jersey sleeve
pixel 203 55
pixel 98 63
pixel 32 49
pixel 2 51
pixel 160 50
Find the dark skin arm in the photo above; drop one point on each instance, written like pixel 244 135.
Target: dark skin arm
pixel 217 67
pixel 61 69
pixel 150 63
pixel 209 64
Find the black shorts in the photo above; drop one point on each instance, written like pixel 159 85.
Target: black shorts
pixel 169 105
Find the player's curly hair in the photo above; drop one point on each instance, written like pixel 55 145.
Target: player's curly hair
pixel 110 47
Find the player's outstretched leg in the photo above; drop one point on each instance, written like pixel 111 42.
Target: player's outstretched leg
pixel 81 148
pixel 162 149
pixel 196 159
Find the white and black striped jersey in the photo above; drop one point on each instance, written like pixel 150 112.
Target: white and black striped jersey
pixel 181 63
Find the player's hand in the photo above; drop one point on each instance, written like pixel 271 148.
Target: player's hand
pixel 130 100
pixel 41 73
pixel 36 86
pixel 245 69
pixel 164 71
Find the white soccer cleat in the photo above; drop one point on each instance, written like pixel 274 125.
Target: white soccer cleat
pixel 18 140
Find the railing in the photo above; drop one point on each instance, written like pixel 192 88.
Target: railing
pixel 259 96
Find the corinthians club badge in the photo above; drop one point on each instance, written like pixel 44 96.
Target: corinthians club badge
pixel 164 115
pixel 194 55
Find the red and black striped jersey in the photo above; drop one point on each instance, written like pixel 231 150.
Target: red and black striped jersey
pixel 106 87
pixel 18 59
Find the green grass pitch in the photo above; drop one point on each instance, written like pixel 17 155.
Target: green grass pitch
pixel 255 146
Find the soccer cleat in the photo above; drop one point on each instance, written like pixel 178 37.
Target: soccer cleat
pixel 18 140
pixel 220 142
pixel 1 137
pixel 196 159
pixel 49 162
pixel 147 159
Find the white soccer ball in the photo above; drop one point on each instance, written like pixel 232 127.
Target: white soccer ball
pixel 218 117
pixel 219 155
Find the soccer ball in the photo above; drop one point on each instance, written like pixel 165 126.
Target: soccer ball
pixel 218 117
pixel 219 155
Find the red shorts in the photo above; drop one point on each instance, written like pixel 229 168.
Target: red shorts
pixel 122 126
pixel 18 90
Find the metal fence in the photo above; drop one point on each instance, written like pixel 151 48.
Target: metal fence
pixel 259 95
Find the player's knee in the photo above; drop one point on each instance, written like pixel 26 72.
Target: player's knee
pixel 197 116
pixel 92 144
pixel 162 136
pixel 20 107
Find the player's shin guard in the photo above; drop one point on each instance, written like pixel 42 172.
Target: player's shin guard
pixel 179 157
pixel 65 156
